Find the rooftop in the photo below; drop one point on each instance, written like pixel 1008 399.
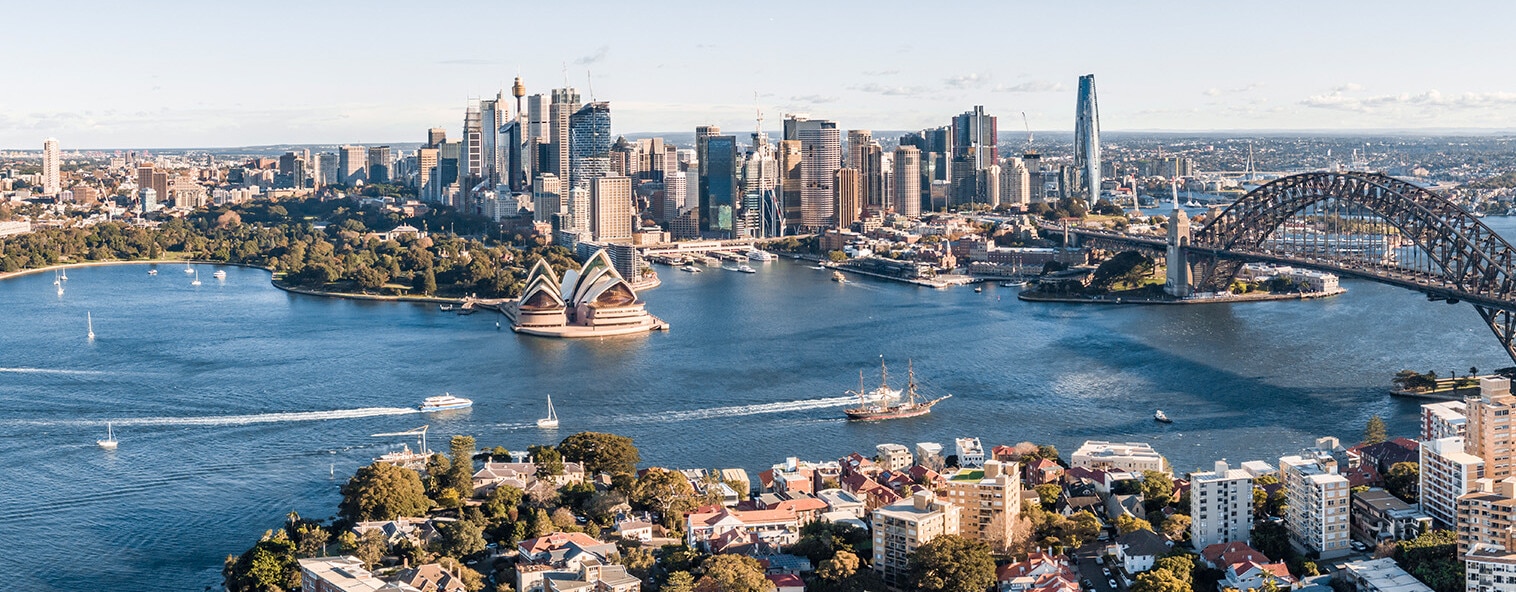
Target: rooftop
pixel 1383 575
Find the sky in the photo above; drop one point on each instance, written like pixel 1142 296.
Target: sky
pixel 171 73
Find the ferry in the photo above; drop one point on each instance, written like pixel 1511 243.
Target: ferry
pixel 913 405
pixel 220 275
pixel 1160 417
pixel 760 255
pixel 744 268
pixel 691 269
pixel 446 402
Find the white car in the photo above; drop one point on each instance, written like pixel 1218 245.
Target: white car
pixel 1113 584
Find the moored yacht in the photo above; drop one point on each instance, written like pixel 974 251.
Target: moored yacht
pixel 446 402
pixel 1160 417
pixel 109 443
pixel 760 255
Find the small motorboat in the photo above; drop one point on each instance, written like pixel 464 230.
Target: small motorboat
pixel 220 274
pixel 152 272
pixel 978 289
pixel 838 277
pixel 746 269
pixel 444 307
pixel 690 269
pixel 1160 417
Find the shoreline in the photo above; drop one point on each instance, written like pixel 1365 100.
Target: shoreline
pixel 1033 296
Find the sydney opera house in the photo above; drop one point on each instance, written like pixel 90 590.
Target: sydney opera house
pixel 592 302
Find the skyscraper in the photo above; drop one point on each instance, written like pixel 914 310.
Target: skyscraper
pixel 547 197
pixel 564 103
pixel 589 143
pixel 471 153
pixel 789 181
pixel 379 164
pixel 1015 184
pixel 1087 139
pixel 492 119
pixel 849 196
pixel 52 183
pixel 760 186
pixel 820 157
pixel 717 178
pixel 352 165
pixel 907 198
pixel 611 208
pixel 973 149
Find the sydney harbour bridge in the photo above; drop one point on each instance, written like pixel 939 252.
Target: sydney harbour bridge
pixel 1354 224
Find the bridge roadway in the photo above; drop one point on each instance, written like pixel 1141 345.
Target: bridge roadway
pixel 1434 286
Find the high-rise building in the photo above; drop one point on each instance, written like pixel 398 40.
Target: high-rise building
pixel 380 164
pixel 1446 474
pixel 611 210
pixel 52 183
pixel 426 170
pixel 149 199
pixel 1087 139
pixel 327 166
pixel 471 150
pixel 435 137
pixel 563 105
pixel 717 178
pixel 1317 514
pixel 1487 517
pixel 589 143
pixel 789 157
pixel 547 197
pixel 675 190
pixel 1447 419
pixel 492 119
pixel 988 185
pixel 901 527
pixel 820 157
pixel 988 501
pixel 907 198
pixel 1015 184
pixel 1490 420
pixel 352 165
pixel 1221 505
pixel 849 196
pixel 857 141
pixel 760 186
pixel 973 149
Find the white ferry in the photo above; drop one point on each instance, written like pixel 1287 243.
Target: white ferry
pixel 220 275
pixel 446 402
pixel 760 255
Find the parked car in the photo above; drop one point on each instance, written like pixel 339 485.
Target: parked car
pixel 1113 584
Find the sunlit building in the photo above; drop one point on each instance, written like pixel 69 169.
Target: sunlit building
pixel 1087 139
pixel 595 301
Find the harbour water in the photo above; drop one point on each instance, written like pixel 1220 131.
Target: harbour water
pixel 234 402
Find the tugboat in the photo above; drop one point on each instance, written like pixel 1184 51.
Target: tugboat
pixel 1159 417
pixel 913 405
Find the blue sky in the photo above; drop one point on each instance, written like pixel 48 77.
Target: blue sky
pixel 195 73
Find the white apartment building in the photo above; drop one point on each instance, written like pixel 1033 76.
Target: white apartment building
pixel 1319 503
pixel 1221 505
pixel 1447 473
pixel 1132 457
pixel 970 452
pixel 894 457
pixel 901 527
pixel 1489 569
pixel 1444 420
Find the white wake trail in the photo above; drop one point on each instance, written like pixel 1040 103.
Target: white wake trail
pixel 744 410
pixel 232 420
pixel 49 371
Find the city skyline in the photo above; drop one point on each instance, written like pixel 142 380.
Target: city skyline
pixel 1330 72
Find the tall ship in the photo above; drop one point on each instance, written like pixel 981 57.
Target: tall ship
pixel 911 405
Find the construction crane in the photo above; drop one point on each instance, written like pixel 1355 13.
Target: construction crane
pixel 420 434
pixel 1028 133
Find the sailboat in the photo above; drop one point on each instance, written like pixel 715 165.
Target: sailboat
pixel 109 443
pixel 197 279
pixel 187 269
pixel 89 321
pixel 551 421
pixel 63 276
pixel 57 281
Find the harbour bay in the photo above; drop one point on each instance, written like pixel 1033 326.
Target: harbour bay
pixel 236 403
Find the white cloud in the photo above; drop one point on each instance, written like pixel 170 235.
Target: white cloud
pixel 1425 103
pixel 814 99
pixel 1212 92
pixel 1031 86
pixel 889 90
pixel 596 57
pixel 964 81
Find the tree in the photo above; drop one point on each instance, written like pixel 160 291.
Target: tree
pixel 679 581
pixel 1128 267
pixel 1127 523
pixel 1176 527
pixel 1084 526
pixel 382 491
pixel 549 461
pixel 541 524
pixel 666 493
pixel 1160 580
pixel 1271 539
pixel 461 449
pixel 473 581
pixel 1157 487
pixel 951 563
pixel 1048 493
pixel 1403 481
pixel 501 503
pixel 269 566
pixel 733 573
pixel 425 282
pixel 1433 559
pixel 1374 432
pixel 839 568
pixel 459 538
pixel 601 453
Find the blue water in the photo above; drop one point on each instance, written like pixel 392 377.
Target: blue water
pixel 235 401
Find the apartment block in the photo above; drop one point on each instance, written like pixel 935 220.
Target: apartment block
pixel 1134 457
pixel 1447 473
pixel 1317 516
pixel 1489 426
pixel 1447 419
pixel 901 527
pixel 1221 505
pixel 988 501
pixel 1487 516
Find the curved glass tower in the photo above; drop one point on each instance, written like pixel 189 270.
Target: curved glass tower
pixel 1087 139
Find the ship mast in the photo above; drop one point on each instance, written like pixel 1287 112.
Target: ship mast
pixel 910 385
pixel 884 374
pixel 861 399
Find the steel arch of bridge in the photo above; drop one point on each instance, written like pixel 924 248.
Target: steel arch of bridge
pixel 1476 263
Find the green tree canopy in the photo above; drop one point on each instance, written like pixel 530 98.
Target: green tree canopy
pixel 732 573
pixel 951 563
pixel 1433 559
pixel 1127 523
pixel 1161 580
pixel 549 461
pixel 1374 432
pixel 666 493
pixel 459 538
pixel 269 566
pixel 382 491
pixel 601 453
pixel 1404 481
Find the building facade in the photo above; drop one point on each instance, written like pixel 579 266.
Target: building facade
pixel 901 527
pixel 988 502
pixel 1221 505
pixel 1447 473
pixel 1087 139
pixel 1317 515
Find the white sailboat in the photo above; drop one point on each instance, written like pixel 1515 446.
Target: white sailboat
pixel 63 276
pixel 89 321
pixel 551 421
pixel 197 279
pixel 57 281
pixel 187 269
pixel 109 443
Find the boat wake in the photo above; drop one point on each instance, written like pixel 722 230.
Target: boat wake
pixel 49 371
pixel 236 420
pixel 740 410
